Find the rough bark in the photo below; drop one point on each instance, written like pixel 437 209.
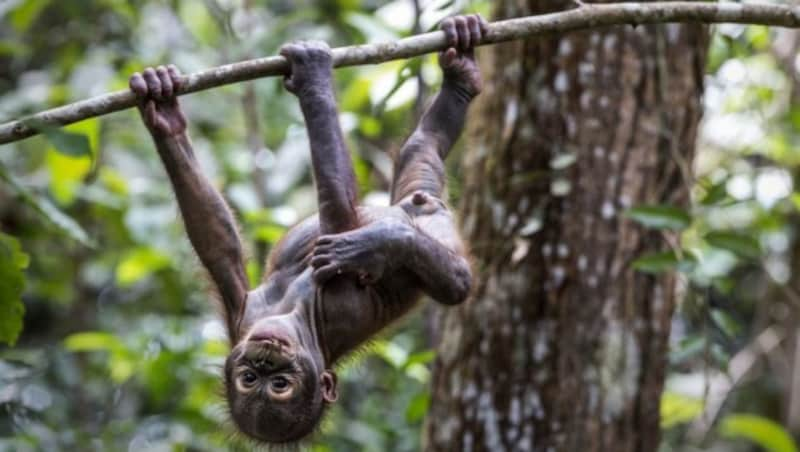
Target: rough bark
pixel 563 345
pixel 585 16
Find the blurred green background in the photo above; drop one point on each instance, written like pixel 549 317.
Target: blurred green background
pixel 110 337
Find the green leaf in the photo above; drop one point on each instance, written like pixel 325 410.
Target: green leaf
pixel 23 16
pixel 199 21
pixel 764 432
pixel 740 244
pixel 687 348
pixel 47 210
pixel 758 35
pixel 369 126
pixel 12 47
pixel 678 409
pixel 68 160
pixel 417 407
pixel 423 357
pixel 356 95
pixel 93 341
pixel 714 194
pixel 216 348
pixel 63 221
pixel 68 143
pixel 121 367
pixel 660 216
pixel 656 262
pixel 269 233
pixel 73 144
pixel 392 353
pixel 725 322
pixel 12 283
pixel 140 263
pixel 156 373
pixel 121 362
pixel 253 270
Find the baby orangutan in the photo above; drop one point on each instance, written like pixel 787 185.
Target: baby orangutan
pixel 335 279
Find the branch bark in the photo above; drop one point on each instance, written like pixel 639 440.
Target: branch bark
pixel 585 16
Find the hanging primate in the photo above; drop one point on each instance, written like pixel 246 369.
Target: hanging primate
pixel 341 276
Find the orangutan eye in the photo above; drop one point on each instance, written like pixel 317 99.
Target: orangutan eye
pixel 280 384
pixel 249 378
pixel 246 380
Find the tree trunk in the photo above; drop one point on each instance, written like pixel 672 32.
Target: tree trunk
pixel 563 345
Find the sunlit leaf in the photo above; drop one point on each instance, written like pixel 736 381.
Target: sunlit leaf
pixel 356 95
pixel 678 409
pixel 270 233
pixel 93 341
pixel 719 51
pixel 121 367
pixel 417 407
pixel 764 432
pixel 121 364
pixel 423 357
pixel 114 181
pixel 740 244
pixel 418 372
pixel 139 264
pixel 362 170
pixel 391 353
pixel 199 21
pixel 23 16
pixel 215 348
pixel 68 170
pixel 369 126
pixel 348 5
pixel 12 282
pixel 253 270
pixel 660 216
pixel 758 35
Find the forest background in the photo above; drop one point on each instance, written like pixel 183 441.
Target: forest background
pixel 111 339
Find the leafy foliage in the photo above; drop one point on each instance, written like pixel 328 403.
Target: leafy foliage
pixel 12 282
pixel 742 235
pixel 771 436
pixel 678 409
pixel 660 217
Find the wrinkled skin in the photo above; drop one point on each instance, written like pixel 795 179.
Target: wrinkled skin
pixel 335 279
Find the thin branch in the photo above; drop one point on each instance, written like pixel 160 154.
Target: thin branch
pixel 583 17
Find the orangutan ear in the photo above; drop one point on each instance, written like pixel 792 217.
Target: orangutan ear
pixel 328 386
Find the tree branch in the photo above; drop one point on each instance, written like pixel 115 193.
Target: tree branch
pixel 583 17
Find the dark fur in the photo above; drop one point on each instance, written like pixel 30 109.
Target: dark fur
pixel 336 279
